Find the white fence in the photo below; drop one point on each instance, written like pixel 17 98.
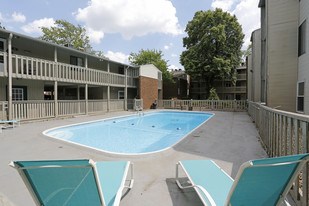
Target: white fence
pixel 3 110
pixel 284 133
pixel 42 109
pixel 204 105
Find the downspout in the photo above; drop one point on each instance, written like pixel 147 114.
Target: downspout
pixel 10 80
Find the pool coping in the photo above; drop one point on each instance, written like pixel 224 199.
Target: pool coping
pixel 125 154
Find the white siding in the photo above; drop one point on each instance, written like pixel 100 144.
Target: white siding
pixel 149 71
pixel 282 58
pixel 256 65
pixel 303 60
pixel 35 89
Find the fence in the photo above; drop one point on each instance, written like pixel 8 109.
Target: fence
pixel 138 104
pixel 284 133
pixel 42 109
pixel 204 105
pixel 3 110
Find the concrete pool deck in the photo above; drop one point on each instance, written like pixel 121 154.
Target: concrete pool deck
pixel 228 138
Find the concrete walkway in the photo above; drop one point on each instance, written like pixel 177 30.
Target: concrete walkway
pixel 228 138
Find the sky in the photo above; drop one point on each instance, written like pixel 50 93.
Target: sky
pixel 119 27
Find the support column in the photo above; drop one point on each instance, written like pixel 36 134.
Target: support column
pixel 78 98
pixel 78 92
pixel 108 90
pixel 126 89
pixel 56 85
pixel 55 55
pixel 10 80
pixel 56 98
pixel 86 98
pixel 86 61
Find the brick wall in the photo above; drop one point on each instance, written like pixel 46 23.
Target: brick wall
pixel 148 91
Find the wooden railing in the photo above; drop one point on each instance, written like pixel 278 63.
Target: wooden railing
pixel 284 133
pixel 3 111
pixel 201 105
pixel 34 68
pixel 71 107
pixel 138 104
pixel 116 104
pixel 41 109
pixel 95 106
pixel 27 110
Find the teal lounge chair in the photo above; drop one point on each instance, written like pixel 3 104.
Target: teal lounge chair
pixel 75 182
pixel 258 182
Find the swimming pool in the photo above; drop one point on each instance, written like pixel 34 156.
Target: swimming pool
pixel 134 134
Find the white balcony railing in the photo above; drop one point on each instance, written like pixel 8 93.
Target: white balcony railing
pixel 40 69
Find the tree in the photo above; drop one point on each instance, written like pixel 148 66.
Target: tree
pixel 213 94
pixel 213 46
pixel 1 27
pixel 151 57
pixel 247 52
pixel 66 33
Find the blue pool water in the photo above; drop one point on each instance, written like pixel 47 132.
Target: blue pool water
pixel 141 133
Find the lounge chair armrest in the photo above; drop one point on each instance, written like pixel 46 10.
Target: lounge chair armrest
pixel 208 196
pixel 202 189
pixel 119 192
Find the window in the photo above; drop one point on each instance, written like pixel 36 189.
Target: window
pixel 120 94
pixel 302 39
pixel 17 94
pixel 228 84
pixel 78 61
pixel 300 96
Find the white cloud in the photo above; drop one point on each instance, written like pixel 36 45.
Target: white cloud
pixel 118 56
pixel 174 55
pixel 172 68
pixel 130 18
pixel 246 11
pixel 1 17
pixel 225 5
pixel 35 26
pixel 248 15
pixel 166 47
pixel 18 17
pixel 94 36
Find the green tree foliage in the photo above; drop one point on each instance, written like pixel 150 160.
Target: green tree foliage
pixel 1 27
pixel 247 52
pixel 213 94
pixel 213 46
pixel 66 33
pixel 151 57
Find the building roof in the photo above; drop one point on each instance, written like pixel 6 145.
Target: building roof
pixel 262 3
pixel 18 35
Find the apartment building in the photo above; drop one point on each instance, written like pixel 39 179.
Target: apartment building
pixel 284 65
pixel 303 59
pixel 179 88
pixel 254 68
pixel 225 89
pixel 39 79
pixel 279 56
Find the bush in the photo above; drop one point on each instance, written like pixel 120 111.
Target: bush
pixel 213 94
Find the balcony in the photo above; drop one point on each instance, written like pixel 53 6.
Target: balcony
pixel 241 76
pixel 24 67
pixel 231 89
